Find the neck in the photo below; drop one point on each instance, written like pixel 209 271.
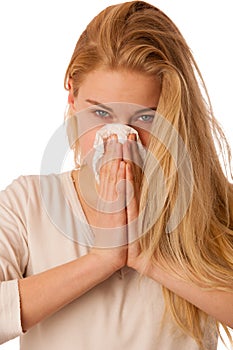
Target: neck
pixel 86 187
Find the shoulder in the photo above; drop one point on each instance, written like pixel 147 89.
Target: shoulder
pixel 28 186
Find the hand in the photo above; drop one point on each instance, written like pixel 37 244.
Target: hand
pixel 110 222
pixel 133 183
pixel 135 259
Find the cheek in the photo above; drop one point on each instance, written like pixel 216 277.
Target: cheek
pixel 86 142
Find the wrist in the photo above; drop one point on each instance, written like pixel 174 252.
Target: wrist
pixel 106 261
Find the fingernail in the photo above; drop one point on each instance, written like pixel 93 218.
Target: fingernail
pixel 132 137
pixel 113 137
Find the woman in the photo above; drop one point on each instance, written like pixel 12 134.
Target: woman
pixel 59 292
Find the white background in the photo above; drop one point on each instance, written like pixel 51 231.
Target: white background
pixel 37 39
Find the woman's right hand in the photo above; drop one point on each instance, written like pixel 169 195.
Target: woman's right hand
pixel 110 228
pixel 39 293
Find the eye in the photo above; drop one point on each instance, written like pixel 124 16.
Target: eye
pixel 146 118
pixel 101 113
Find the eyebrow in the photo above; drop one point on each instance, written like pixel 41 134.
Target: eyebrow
pixel 111 110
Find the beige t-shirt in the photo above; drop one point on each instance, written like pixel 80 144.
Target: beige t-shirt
pixel 42 225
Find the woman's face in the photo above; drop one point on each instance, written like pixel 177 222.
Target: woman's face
pixel 110 96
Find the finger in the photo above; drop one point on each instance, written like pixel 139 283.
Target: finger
pixel 122 171
pixel 129 174
pixel 111 180
pixel 131 152
pixel 132 196
pixel 109 170
pixel 108 180
pixel 136 157
pixel 130 192
pixel 132 137
pixel 113 150
pixel 127 156
pixel 121 185
pixel 109 138
pixel 132 205
pixel 106 174
pixel 132 157
pixel 113 190
pixel 108 156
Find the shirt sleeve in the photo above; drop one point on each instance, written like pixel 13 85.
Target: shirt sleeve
pixel 13 255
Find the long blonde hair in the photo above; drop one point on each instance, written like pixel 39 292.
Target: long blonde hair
pixel 139 37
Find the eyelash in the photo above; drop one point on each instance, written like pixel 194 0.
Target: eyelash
pixel 107 115
pixel 147 115
pixel 98 111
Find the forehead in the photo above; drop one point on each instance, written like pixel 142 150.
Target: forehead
pixel 106 86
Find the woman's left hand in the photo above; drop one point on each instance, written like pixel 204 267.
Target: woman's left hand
pixel 133 183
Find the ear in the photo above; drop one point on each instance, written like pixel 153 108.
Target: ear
pixel 71 94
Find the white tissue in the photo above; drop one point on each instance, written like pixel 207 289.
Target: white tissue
pixel 122 131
